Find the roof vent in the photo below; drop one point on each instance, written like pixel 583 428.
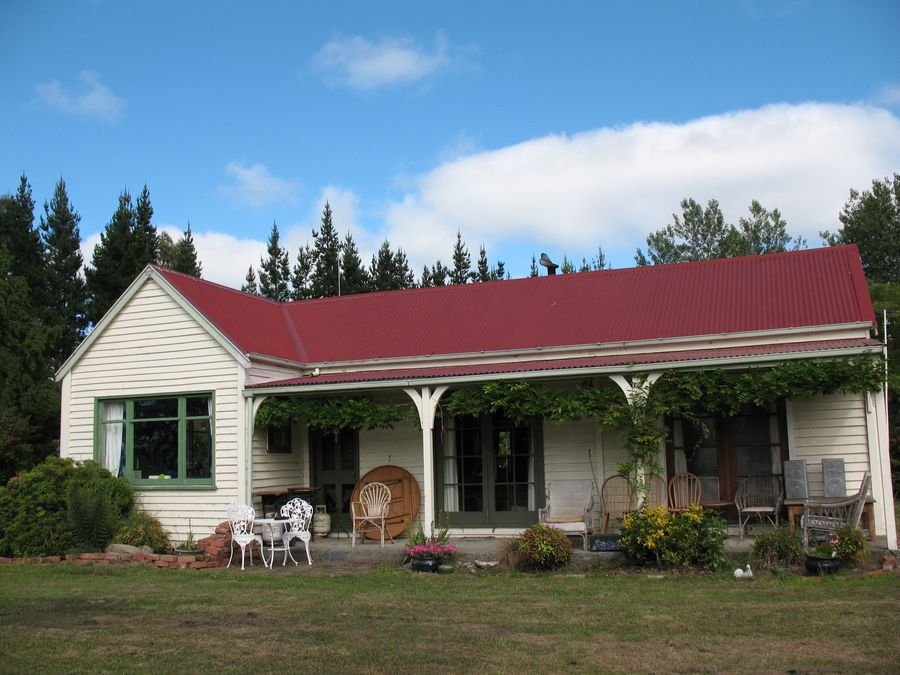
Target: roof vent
pixel 549 264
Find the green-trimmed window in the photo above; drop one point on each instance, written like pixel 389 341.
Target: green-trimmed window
pixel 157 441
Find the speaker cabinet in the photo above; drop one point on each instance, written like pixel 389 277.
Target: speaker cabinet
pixel 833 476
pixel 795 486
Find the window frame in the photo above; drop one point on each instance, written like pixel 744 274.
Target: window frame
pixel 182 482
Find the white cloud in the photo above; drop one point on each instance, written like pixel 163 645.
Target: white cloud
pixel 362 65
pixel 225 258
pixel 89 98
pixel 256 186
pixel 889 95
pixel 613 186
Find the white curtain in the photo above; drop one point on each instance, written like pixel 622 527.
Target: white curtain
pixel 451 476
pixel 114 437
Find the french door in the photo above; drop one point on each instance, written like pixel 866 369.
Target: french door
pixel 489 472
pixel 335 470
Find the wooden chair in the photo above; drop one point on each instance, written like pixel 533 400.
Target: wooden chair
pixel 617 497
pixel 371 511
pixel 684 491
pixel 240 520
pixel 827 514
pixel 656 492
pixel 760 496
pixel 568 507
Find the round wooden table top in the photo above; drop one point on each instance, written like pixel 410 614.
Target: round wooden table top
pixel 405 497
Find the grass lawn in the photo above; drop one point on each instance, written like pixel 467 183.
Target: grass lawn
pixel 84 619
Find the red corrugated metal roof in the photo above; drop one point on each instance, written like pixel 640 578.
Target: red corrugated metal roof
pixel 817 287
pixel 564 364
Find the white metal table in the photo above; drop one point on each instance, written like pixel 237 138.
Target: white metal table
pixel 273 528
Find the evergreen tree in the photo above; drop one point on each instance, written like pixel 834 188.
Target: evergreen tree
pixel 67 305
pixel 185 255
pixel 439 274
pixel 567 266
pixel 145 239
pixel 426 281
pixel 25 249
pixel 482 269
pixel 274 270
pixel 117 260
pixel 165 251
pixel 534 267
pixel 249 285
pixel 462 263
pixel 354 279
pixel 390 271
pixel 499 271
pixel 302 271
pixel 326 247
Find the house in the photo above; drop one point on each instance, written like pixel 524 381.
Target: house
pixel 166 388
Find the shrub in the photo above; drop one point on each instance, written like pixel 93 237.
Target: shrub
pixel 543 548
pixel 851 547
pixel 143 529
pixel 34 505
pixel 92 515
pixel 686 538
pixel 778 547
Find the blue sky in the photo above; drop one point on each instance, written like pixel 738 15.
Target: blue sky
pixel 527 126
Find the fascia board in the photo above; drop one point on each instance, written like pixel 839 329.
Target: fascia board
pixel 725 363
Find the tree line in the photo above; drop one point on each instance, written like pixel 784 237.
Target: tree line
pixel 49 299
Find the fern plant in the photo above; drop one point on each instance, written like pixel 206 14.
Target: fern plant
pixel 93 516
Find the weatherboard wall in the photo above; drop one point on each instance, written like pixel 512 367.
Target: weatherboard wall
pixel 153 347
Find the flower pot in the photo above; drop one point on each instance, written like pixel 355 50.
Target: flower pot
pixel 425 564
pixel 821 566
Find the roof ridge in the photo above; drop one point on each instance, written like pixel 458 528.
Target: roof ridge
pixel 191 277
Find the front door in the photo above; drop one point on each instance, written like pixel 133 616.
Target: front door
pixel 335 460
pixel 489 472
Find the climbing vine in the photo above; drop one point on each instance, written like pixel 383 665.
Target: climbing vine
pixel 345 412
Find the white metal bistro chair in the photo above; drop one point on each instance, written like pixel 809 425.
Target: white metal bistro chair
pixel 299 513
pixel 568 507
pixel 240 519
pixel 371 511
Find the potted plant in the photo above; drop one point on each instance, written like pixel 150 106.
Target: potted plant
pixel 188 546
pixel 823 558
pixel 429 553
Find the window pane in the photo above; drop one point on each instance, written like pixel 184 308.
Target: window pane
pixel 199 449
pixel 198 406
pixel 113 410
pixel 472 498
pixel 348 450
pixel 147 408
pixel 156 449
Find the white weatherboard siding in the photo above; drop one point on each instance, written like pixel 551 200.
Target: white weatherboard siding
pixel 574 451
pixel 274 470
pixel 400 446
pixel 151 347
pixel 831 426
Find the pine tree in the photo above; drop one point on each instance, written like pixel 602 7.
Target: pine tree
pixel 185 255
pixel 68 299
pixel 249 285
pixel 274 270
pixel 426 280
pixel 403 275
pixel 25 249
pixel 567 266
pixel 355 279
pixel 482 269
pixel 145 239
pixel 114 264
pixel 499 271
pixel 300 276
pixel 462 262
pixel 390 271
pixel 323 280
pixel 439 274
pixel 534 267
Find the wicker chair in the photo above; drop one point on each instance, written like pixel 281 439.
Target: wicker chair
pixel 684 491
pixel 568 507
pixel 240 519
pixel 827 514
pixel 617 497
pixel 760 496
pixel 371 511
pixel 300 514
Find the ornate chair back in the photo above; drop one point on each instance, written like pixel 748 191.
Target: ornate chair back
pixel 376 500
pixel 300 513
